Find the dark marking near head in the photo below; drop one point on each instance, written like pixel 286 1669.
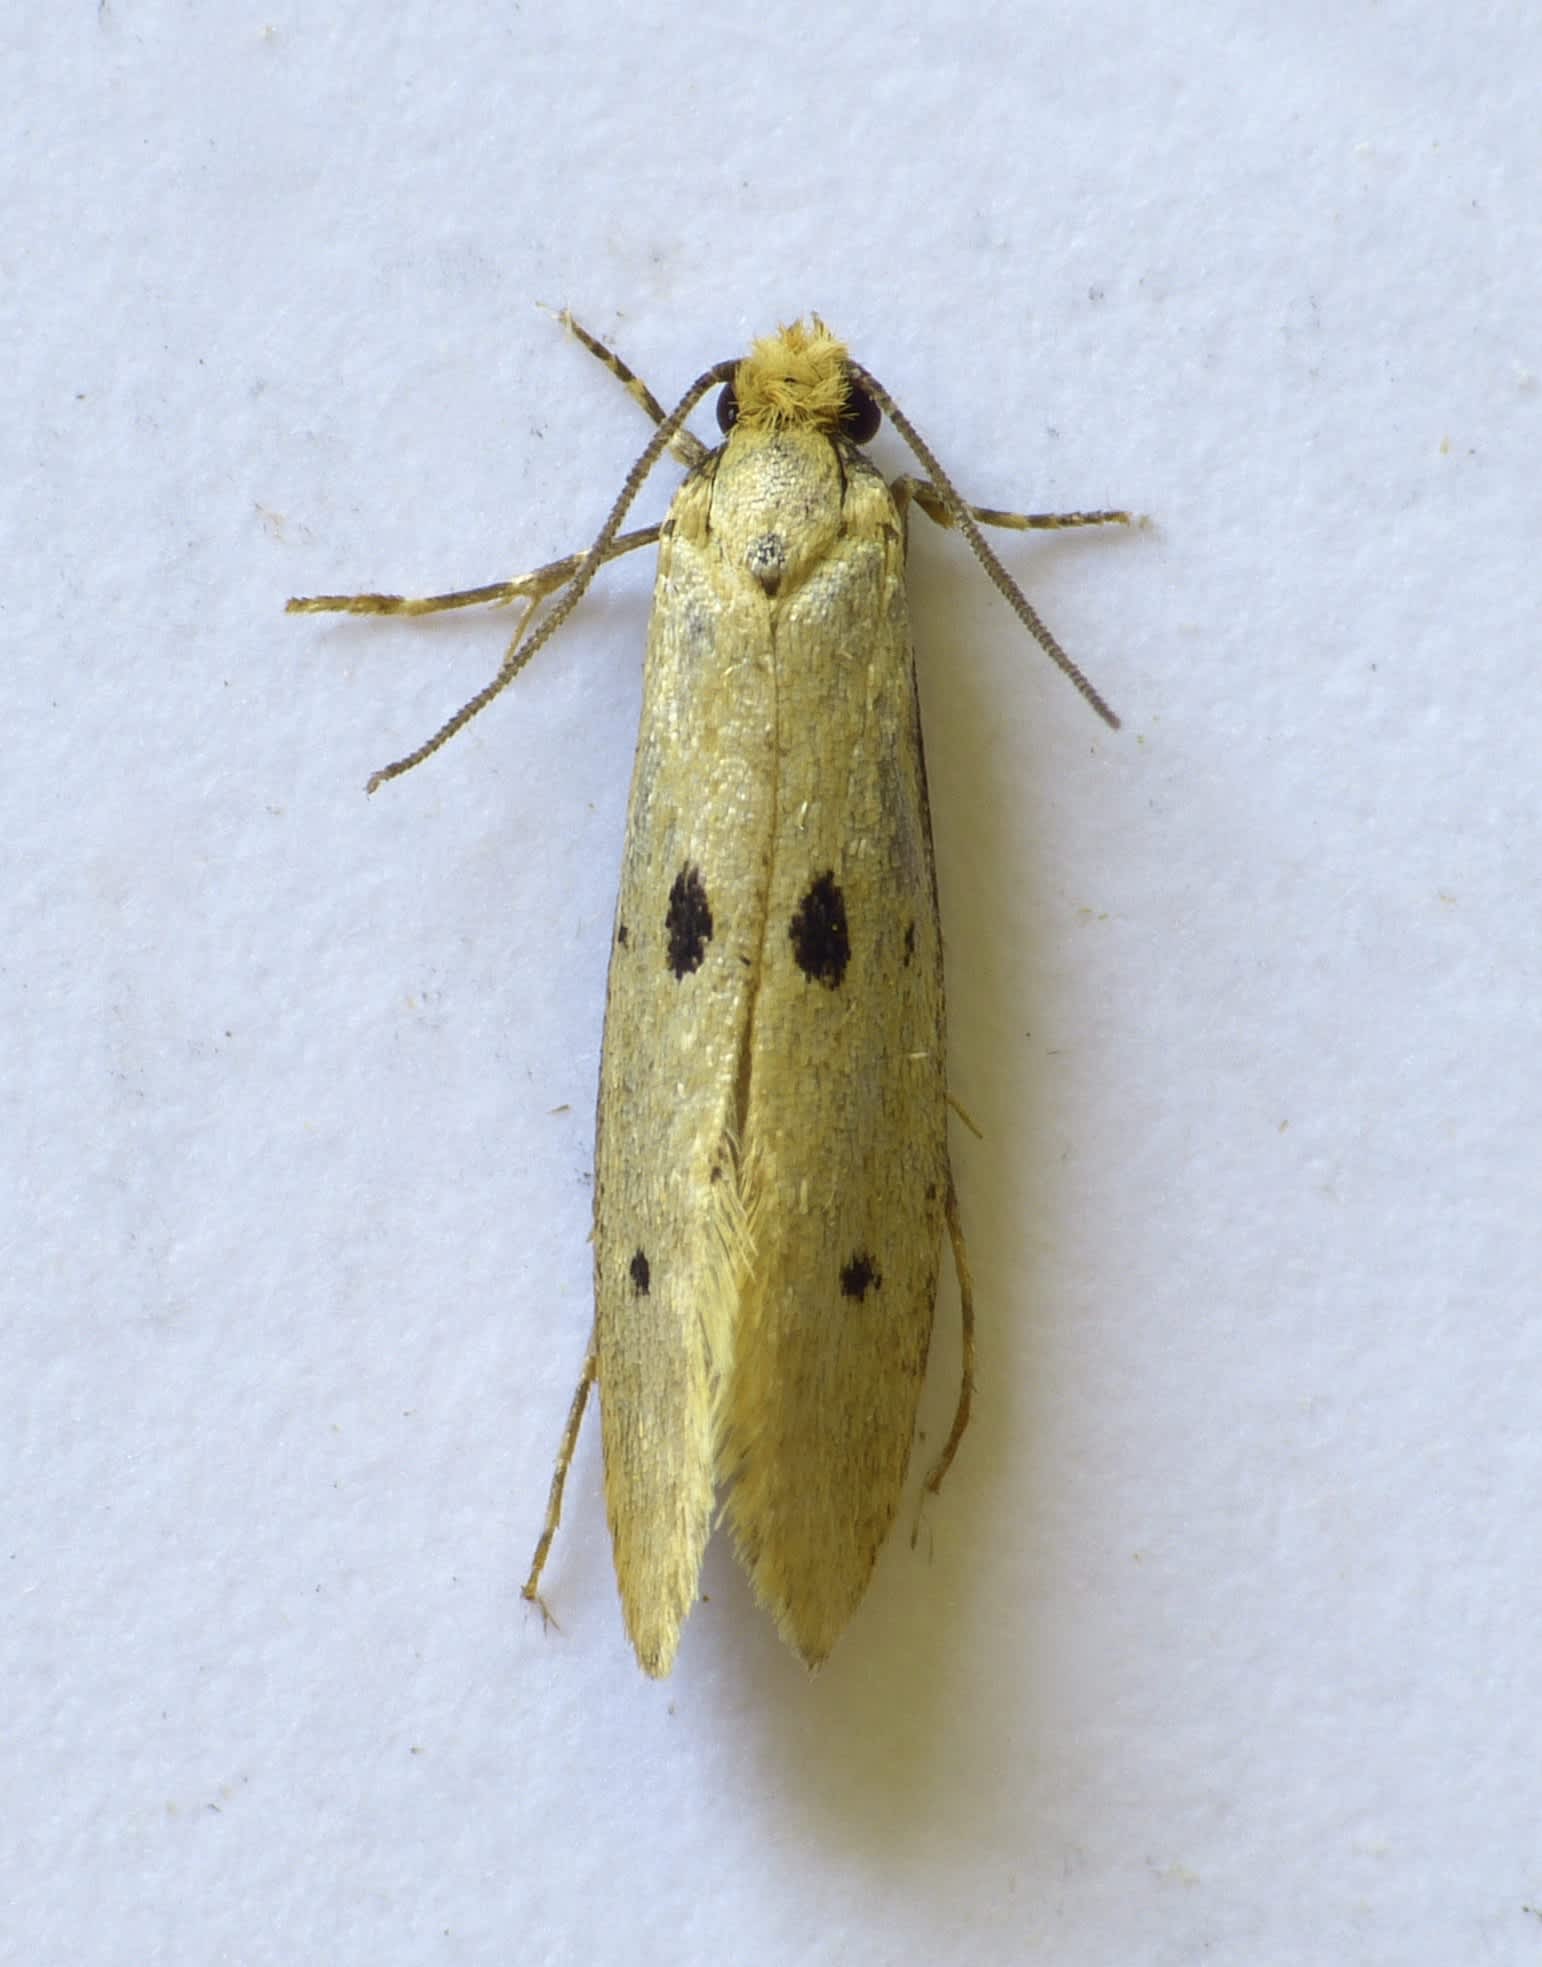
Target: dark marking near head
pixel 687 922
pixel 766 560
pixel 931 1191
pixel 818 932
pixel 860 1276
pixel 639 1270
pixel 621 934
pixel 910 942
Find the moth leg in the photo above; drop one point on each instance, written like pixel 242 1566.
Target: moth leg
pixel 941 503
pixel 533 588
pixel 967 1117
pixel 688 449
pixel 961 1413
pixel 936 509
pixel 531 1588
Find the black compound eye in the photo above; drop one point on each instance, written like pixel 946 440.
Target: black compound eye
pixel 727 408
pixel 861 417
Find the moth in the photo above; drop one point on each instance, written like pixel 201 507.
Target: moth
pixel 772 1179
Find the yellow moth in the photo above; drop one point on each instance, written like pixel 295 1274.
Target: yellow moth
pixel 771 1160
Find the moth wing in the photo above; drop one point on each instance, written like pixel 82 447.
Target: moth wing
pixel 669 1238
pixel 845 1128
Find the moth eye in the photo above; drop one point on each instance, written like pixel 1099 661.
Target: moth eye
pixel 727 408
pixel 861 417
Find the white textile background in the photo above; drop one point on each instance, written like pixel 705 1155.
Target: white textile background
pixel 1221 1642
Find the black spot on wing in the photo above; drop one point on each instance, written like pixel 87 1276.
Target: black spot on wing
pixel 621 934
pixel 820 941
pixel 687 922
pixel 640 1274
pixel 859 1276
pixel 910 943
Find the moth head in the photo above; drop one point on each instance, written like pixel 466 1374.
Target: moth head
pixel 799 375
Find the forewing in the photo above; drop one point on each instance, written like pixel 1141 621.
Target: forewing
pixel 668 1218
pixel 845 1124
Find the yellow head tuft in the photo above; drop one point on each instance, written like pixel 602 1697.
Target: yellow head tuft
pixel 797 375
